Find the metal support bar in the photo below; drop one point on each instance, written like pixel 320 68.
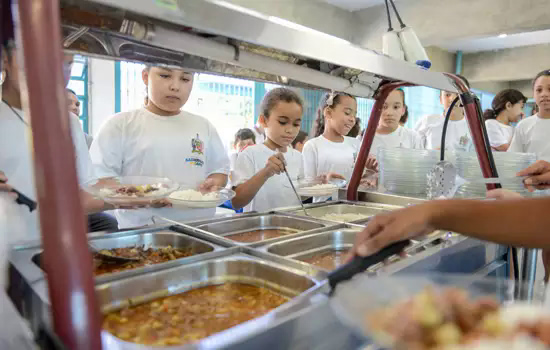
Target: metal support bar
pixel 75 312
pixel 529 271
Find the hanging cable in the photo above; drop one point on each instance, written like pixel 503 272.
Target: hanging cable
pixel 397 14
pixel 445 124
pixel 390 28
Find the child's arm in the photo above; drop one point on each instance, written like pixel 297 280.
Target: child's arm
pixel 246 191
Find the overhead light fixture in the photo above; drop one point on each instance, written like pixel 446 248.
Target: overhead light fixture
pixel 503 35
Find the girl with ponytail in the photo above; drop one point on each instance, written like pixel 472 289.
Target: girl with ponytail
pixel 507 108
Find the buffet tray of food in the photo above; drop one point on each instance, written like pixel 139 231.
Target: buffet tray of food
pixel 255 229
pixel 196 303
pixel 341 211
pixel 151 248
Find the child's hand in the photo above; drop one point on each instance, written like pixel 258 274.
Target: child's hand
pixel 538 176
pixel 372 163
pixel 327 177
pixel 275 165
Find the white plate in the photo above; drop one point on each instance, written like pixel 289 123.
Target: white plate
pixel 223 196
pixel 105 188
pixel 307 188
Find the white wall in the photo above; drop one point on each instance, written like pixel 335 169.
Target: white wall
pixel 101 80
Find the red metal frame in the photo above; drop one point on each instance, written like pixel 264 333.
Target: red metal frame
pixel 471 114
pixel 67 260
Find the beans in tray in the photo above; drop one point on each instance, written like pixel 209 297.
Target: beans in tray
pixel 448 319
pixel 147 256
pixel 327 260
pixel 193 315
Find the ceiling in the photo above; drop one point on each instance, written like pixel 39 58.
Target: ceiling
pixel 354 5
pixel 498 42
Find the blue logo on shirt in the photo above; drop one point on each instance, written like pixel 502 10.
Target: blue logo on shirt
pixel 194 161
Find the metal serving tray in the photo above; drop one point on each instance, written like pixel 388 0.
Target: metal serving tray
pixel 218 230
pixel 27 261
pixel 238 264
pixel 342 207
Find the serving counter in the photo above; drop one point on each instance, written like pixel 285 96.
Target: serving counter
pixel 294 265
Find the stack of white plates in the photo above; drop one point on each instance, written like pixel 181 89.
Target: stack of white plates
pixel 404 171
pixel 507 163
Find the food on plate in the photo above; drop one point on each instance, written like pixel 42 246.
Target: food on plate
pixel 448 319
pixel 319 187
pixel 147 256
pixel 259 235
pixel 193 315
pixel 327 260
pixel 192 195
pixel 133 191
pixel 343 217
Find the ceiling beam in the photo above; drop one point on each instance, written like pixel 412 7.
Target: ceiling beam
pixel 437 21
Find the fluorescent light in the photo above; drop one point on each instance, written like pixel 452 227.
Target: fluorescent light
pixel 503 35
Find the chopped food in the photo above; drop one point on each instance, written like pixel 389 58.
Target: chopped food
pixel 192 195
pixel 259 235
pixel 327 260
pixel 449 320
pixel 147 256
pixel 343 217
pixel 133 191
pixel 193 315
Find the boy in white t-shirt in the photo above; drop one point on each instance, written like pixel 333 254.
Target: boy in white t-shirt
pixel 532 134
pixel 507 108
pixel 430 128
pixel 259 181
pixel 390 134
pixel 161 140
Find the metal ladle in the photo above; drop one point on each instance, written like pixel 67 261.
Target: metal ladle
pixel 294 189
pixel 110 258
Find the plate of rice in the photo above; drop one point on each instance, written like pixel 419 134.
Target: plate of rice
pixel 191 198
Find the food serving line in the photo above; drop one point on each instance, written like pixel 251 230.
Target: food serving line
pixel 64 302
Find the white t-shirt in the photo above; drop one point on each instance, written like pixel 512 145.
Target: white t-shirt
pixel 425 123
pixel 16 161
pixel 276 191
pixel 184 148
pixel 260 137
pixel 499 134
pixel 322 156
pixel 400 138
pixel 532 135
pixel 458 136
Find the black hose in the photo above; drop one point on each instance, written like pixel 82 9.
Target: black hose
pixel 445 124
pixel 397 14
pixel 390 28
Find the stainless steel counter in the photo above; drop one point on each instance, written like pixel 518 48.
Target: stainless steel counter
pixel 306 322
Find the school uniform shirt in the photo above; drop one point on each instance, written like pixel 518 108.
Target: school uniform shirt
pixel 532 135
pixel 458 137
pixel 276 191
pixel 425 123
pixel 184 148
pixel 400 138
pixel 260 137
pixel 499 134
pixel 16 161
pixel 322 156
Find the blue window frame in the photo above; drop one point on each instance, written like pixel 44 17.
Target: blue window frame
pixel 79 84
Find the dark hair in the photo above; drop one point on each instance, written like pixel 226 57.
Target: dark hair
pixel 544 73
pixel 244 134
pixel 300 138
pixel 331 99
pixel 277 95
pixel 356 128
pixel 71 91
pixel 405 116
pixel 500 101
